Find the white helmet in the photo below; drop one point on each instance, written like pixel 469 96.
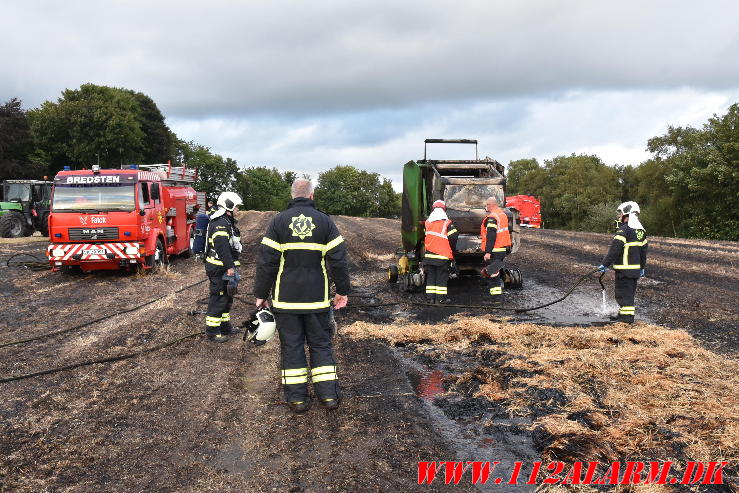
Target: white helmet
pixel 229 200
pixel 628 208
pixel 260 327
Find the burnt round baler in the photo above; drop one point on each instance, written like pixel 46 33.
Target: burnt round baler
pixel 464 185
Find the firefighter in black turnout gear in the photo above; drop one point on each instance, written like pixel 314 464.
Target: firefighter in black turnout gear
pixel 299 245
pixel 628 256
pixel 222 251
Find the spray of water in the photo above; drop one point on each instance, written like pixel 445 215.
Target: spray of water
pixel 603 305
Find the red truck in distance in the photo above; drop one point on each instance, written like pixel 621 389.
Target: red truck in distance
pixel 529 209
pixel 134 218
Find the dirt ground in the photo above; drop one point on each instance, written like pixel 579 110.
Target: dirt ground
pixel 206 417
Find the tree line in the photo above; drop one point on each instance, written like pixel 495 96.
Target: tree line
pixel 689 188
pixel 114 126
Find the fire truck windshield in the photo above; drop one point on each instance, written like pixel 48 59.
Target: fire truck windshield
pixel 93 198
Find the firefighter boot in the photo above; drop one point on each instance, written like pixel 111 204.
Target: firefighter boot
pixel 430 299
pixel 331 404
pixel 299 407
pixel 216 336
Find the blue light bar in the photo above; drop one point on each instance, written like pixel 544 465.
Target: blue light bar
pixel 67 168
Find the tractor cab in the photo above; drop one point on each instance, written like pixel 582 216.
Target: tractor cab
pixel 24 208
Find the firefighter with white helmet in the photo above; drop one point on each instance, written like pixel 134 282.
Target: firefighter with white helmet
pixel 222 251
pixel 440 242
pixel 628 256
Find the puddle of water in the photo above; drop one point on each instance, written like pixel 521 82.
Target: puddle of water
pixel 427 384
pixel 482 438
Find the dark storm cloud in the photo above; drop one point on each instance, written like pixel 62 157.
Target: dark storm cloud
pixel 293 58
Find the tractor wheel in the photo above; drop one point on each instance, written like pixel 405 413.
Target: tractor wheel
pixel 12 225
pixel 392 274
pixel 44 224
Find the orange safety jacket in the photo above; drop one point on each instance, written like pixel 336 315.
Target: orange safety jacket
pixel 437 240
pixel 503 235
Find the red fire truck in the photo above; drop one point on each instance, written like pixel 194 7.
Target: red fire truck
pixel 107 219
pixel 529 209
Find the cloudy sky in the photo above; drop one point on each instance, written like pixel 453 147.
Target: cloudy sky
pixel 308 85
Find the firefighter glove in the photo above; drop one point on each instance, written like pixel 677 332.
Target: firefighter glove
pixel 602 268
pixel 642 273
pixel 233 283
pixel 236 243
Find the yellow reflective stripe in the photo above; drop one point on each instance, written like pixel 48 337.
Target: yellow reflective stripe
pixel 627 310
pixel 237 262
pixel 226 317
pixel 219 233
pixel 627 266
pixel 213 261
pixel 440 290
pixel 619 237
pixel 301 306
pixel 277 283
pixel 325 281
pixel 294 372
pixel 324 377
pixel 213 321
pixel 331 244
pixel 499 249
pixel 294 380
pixel 302 246
pixel 451 232
pixel 271 243
pixel 433 255
pixel 493 226
pixel 323 369
pixel 496 290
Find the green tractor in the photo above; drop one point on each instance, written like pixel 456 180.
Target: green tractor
pixel 25 208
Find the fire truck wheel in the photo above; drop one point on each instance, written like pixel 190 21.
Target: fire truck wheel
pixel 159 258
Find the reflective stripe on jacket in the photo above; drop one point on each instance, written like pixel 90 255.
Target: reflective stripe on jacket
pixel 299 245
pixel 628 251
pixel 436 241
pixel 218 250
pixel 495 228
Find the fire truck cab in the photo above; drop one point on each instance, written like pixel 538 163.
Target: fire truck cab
pixel 108 219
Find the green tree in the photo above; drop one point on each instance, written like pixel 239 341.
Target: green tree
pixel 524 177
pixel 701 173
pixel 15 143
pixel 348 191
pixel 101 124
pixel 215 174
pixel 264 189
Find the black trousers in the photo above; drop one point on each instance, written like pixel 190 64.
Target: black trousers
pixel 295 330
pixel 495 283
pixel 625 289
pixel 219 302
pixel 437 277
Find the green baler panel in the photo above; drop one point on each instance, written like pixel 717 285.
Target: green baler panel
pixel 413 206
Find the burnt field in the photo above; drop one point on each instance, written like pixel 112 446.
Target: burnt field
pixel 420 382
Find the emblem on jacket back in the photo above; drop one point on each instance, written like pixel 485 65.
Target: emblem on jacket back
pixel 302 226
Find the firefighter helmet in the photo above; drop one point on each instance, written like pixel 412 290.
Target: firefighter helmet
pixel 438 203
pixel 628 208
pixel 229 200
pixel 260 327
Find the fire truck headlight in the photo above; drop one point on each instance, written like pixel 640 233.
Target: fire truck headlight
pixel 132 250
pixel 57 252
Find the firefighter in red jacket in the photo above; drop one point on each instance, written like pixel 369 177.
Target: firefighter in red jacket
pixel 496 243
pixel 440 243
pixel 628 256
pixel 300 248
